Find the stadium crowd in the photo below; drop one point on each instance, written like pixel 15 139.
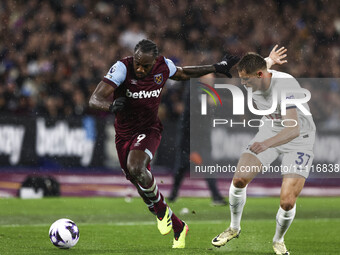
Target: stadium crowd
pixel 54 53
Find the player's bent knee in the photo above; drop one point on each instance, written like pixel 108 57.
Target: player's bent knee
pixel 240 182
pixel 287 204
pixel 135 170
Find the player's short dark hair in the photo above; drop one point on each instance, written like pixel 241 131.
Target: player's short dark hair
pixel 147 46
pixel 251 63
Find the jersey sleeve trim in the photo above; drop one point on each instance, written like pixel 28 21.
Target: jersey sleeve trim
pixel 290 107
pixel 110 82
pixel 116 74
pixel 171 66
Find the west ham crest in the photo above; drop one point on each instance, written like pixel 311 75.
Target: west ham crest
pixel 158 78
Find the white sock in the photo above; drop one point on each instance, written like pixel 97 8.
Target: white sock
pixel 283 221
pixel 237 200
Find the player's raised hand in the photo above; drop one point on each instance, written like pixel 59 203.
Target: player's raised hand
pixel 226 64
pixel 118 105
pixel 278 56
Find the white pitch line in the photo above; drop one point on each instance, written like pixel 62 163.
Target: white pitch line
pixel 132 223
pixel 136 223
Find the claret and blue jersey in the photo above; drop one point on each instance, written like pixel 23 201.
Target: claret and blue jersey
pixel 144 95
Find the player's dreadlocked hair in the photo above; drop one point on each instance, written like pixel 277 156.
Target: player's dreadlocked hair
pixel 251 63
pixel 147 46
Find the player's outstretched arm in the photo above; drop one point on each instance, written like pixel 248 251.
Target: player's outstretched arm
pixel 100 97
pixel 223 67
pixel 276 56
pixel 187 72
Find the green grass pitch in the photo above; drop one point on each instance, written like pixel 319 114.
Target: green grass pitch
pixel 112 226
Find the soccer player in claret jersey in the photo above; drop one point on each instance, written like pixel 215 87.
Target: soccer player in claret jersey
pixel 292 140
pixel 136 83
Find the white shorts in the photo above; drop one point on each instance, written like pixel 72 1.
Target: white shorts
pixel 297 155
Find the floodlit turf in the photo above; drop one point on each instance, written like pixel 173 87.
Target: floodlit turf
pixel 112 226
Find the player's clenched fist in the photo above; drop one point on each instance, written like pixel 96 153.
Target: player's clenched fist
pixel 118 105
pixel 258 147
pixel 226 64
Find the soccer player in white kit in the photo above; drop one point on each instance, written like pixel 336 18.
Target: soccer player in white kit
pixel 290 135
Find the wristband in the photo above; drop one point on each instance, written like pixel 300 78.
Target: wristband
pixel 269 62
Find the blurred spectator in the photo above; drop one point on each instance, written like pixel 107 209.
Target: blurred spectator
pixel 53 53
pixel 130 37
